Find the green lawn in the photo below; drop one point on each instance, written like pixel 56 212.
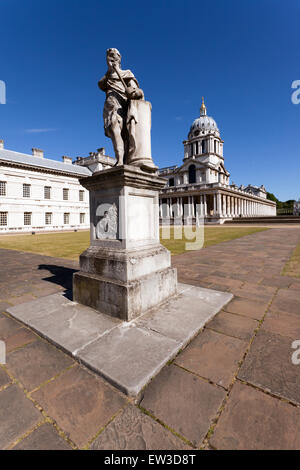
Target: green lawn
pixel 292 267
pixel 212 236
pixel 70 244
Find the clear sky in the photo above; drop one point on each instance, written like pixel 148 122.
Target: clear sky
pixel 242 55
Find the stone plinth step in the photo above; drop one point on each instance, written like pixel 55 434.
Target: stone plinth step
pixel 127 354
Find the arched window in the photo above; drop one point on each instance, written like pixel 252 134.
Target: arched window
pixel 192 174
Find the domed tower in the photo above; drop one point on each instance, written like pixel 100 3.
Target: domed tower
pixel 205 146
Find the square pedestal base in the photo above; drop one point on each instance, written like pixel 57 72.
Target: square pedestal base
pixel 124 300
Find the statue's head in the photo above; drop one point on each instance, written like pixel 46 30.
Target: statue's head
pixel 113 56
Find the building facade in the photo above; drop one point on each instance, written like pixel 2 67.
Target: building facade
pixel 39 194
pixel 200 188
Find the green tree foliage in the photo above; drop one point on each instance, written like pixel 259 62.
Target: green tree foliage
pixel 283 207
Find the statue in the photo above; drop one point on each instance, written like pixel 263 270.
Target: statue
pixel 126 115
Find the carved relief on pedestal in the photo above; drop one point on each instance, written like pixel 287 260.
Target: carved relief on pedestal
pixel 107 226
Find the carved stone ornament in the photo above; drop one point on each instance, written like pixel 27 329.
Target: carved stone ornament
pixel 107 227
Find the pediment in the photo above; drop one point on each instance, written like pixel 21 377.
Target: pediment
pixel 186 165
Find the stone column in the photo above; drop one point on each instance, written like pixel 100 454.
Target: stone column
pixel 215 204
pixel 192 207
pixel 219 205
pixel 224 205
pixel 205 205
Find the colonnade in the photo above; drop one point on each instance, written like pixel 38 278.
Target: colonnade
pixel 215 205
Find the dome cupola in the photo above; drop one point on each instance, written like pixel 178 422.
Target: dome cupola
pixel 203 124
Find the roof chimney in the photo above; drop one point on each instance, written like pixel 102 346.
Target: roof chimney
pixel 38 153
pixel 67 160
pixel 1 144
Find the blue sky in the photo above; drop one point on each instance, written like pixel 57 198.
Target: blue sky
pixel 242 55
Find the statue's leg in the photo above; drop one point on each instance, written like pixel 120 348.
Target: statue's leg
pixel 117 140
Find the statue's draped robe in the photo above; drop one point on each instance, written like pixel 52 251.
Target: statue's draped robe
pixel 116 104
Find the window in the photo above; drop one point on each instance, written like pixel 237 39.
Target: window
pixel 2 188
pixel 48 218
pixel 82 218
pixel 26 190
pixel 3 218
pixel 66 218
pixel 47 192
pixel 171 182
pixel 65 194
pixel 81 195
pixel 27 218
pixel 203 146
pixel 192 174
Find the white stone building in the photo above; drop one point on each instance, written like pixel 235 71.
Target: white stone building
pixel 39 194
pixel 201 188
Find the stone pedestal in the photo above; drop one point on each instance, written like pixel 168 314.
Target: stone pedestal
pixel 125 271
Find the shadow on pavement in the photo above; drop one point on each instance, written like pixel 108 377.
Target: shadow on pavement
pixel 61 275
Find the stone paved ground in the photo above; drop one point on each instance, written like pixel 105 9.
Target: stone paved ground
pixel 233 387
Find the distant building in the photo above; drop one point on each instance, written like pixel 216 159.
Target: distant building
pixel 200 187
pixel 39 194
pixel 296 207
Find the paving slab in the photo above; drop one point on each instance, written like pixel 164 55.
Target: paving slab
pixel 282 324
pixel 80 403
pixel 184 402
pixel 109 347
pixel 17 415
pixel 233 325
pixel 179 318
pixel 134 430
pixel 36 363
pixel 214 356
pixel 22 337
pixel 248 308
pixel 287 300
pixel 253 420
pixel 44 437
pixel 269 366
pixel 4 378
pixel 128 356
pixel 8 327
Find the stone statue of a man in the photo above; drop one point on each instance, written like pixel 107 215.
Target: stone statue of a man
pixel 127 117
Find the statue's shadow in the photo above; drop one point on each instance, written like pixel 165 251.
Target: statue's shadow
pixel 61 276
